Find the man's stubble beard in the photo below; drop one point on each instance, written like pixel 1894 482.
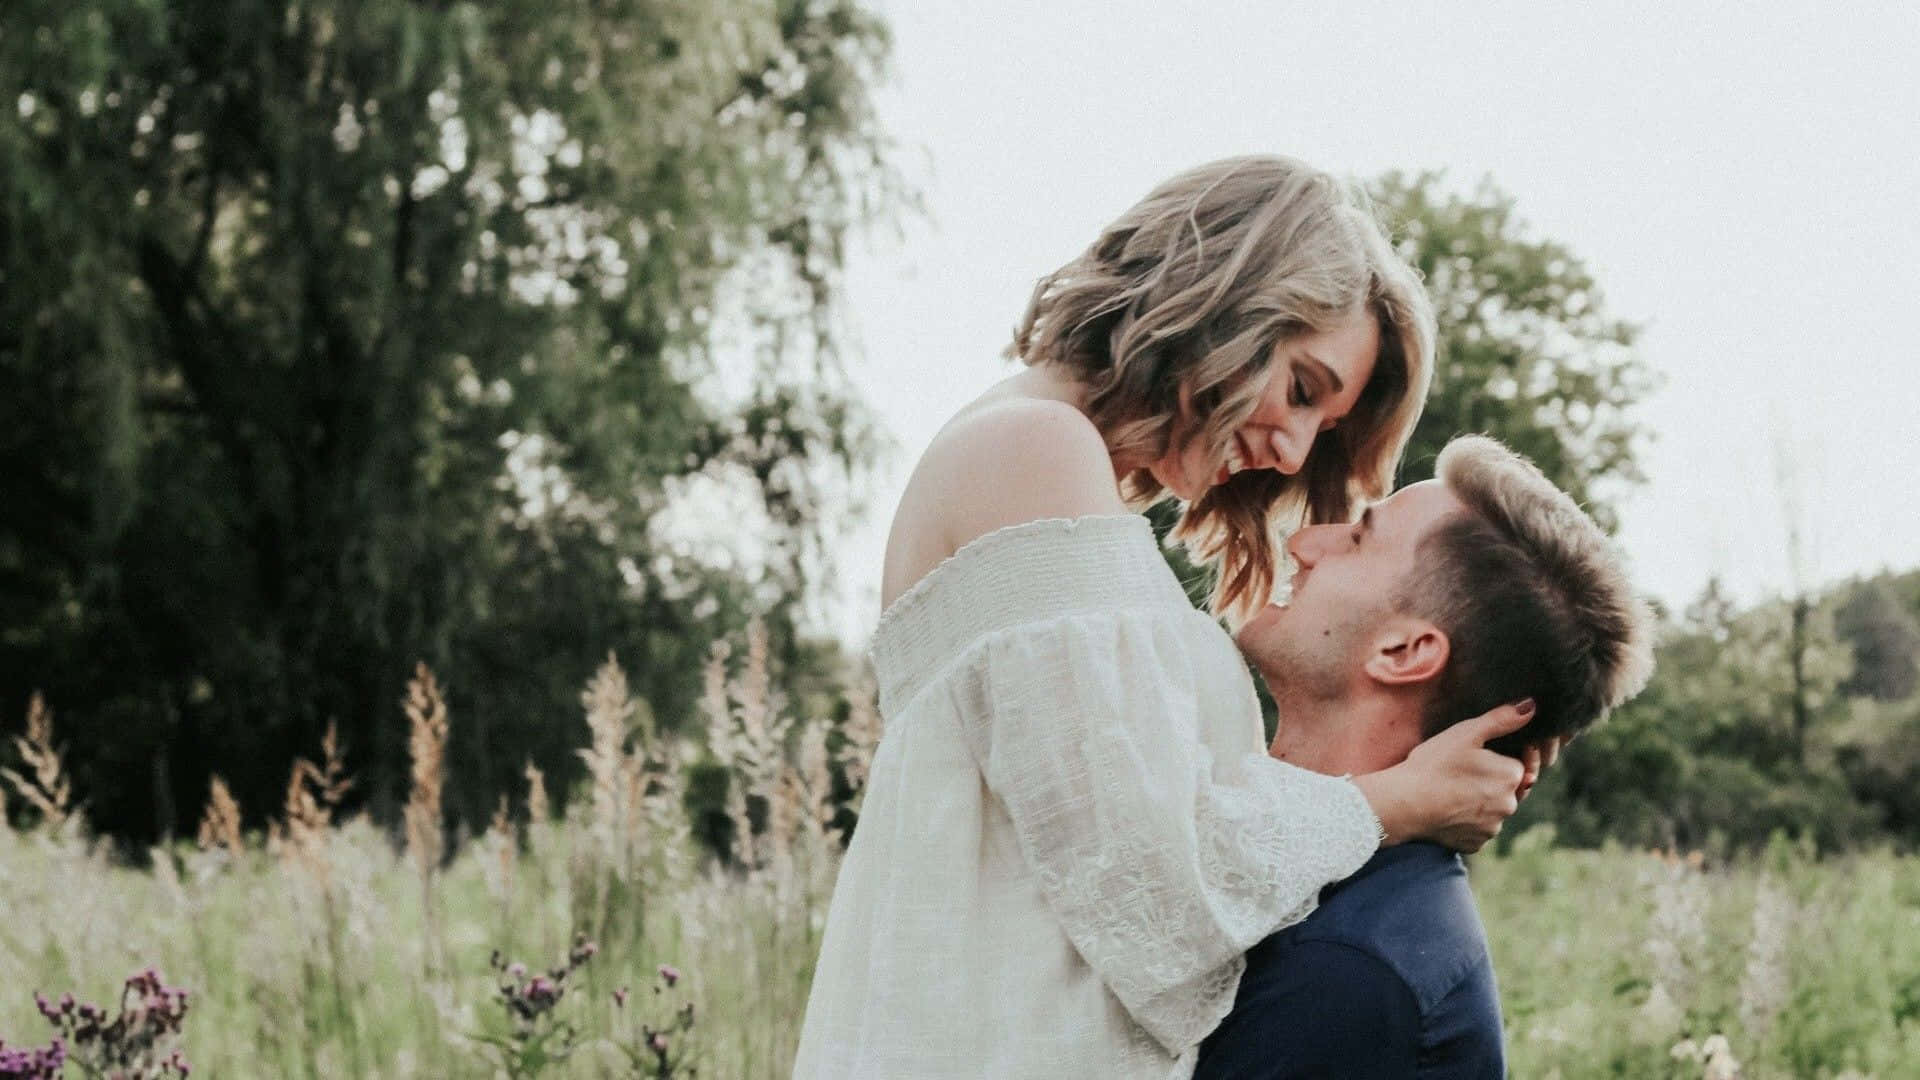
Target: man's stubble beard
pixel 1310 667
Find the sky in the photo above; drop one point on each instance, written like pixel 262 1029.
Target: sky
pixel 1742 180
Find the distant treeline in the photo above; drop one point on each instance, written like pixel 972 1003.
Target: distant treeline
pixel 1799 715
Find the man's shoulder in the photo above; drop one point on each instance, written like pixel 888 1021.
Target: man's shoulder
pixel 1389 977
pixel 1411 908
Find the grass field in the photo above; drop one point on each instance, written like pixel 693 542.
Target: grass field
pixel 1607 960
pixel 326 950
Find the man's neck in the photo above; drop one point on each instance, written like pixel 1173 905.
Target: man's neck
pixel 1348 736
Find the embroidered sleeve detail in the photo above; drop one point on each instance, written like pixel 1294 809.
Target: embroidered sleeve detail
pixel 1163 860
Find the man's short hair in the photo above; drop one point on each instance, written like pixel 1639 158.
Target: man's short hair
pixel 1532 597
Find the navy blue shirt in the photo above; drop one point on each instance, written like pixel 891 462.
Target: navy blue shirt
pixel 1388 978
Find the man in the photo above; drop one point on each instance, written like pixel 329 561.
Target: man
pixel 1483 586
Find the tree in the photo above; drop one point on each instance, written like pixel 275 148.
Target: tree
pixel 1741 732
pixel 341 334
pixel 1886 641
pixel 1527 352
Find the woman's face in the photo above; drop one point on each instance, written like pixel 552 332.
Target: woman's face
pixel 1312 384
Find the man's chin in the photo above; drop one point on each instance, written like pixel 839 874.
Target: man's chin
pixel 1249 636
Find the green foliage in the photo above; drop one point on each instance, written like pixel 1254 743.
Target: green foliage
pixel 1726 748
pixel 1527 352
pixel 1885 635
pixel 1577 977
pixel 339 335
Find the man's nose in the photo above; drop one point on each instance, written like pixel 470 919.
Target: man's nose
pixel 1304 545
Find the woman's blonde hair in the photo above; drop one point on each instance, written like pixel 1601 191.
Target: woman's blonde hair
pixel 1171 317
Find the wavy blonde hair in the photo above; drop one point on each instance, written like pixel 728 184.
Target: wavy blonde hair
pixel 1171 317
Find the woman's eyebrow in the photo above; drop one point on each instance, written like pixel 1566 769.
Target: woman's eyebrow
pixel 1326 371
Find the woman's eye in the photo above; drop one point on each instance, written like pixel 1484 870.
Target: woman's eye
pixel 1299 394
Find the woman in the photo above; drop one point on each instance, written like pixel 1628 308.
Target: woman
pixel 1072 832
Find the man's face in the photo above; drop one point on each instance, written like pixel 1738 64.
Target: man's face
pixel 1344 585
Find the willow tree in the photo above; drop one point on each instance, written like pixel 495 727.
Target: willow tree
pixel 337 334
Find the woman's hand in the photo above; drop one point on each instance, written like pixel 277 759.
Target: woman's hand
pixel 1535 759
pixel 1452 789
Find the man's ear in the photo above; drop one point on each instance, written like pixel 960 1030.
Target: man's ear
pixel 1408 652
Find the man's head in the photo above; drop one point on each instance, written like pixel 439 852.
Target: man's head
pixel 1483 586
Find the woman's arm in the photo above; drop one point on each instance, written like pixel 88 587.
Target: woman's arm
pixel 1162 863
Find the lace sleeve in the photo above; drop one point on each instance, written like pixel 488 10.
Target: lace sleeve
pixel 1162 863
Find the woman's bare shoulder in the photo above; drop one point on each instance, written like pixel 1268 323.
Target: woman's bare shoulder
pixel 1000 462
pixel 1019 459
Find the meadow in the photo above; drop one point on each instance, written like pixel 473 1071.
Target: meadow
pixel 597 939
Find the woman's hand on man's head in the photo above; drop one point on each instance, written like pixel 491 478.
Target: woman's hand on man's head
pixel 1451 789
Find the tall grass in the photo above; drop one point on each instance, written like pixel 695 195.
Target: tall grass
pixel 330 948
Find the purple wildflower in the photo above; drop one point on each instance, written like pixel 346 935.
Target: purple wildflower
pixel 130 1043
pixel 41 1064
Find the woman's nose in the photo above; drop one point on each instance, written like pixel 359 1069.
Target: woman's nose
pixel 1289 451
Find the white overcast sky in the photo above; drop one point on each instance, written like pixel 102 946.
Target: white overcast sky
pixel 1744 181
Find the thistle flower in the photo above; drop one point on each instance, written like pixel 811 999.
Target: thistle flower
pixel 657 1051
pixel 528 999
pixel 130 1044
pixel 17 1063
pixel 537 1039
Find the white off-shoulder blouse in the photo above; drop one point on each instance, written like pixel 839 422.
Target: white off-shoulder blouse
pixel 1071 832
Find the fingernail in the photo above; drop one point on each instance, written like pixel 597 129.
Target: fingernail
pixel 1526 707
